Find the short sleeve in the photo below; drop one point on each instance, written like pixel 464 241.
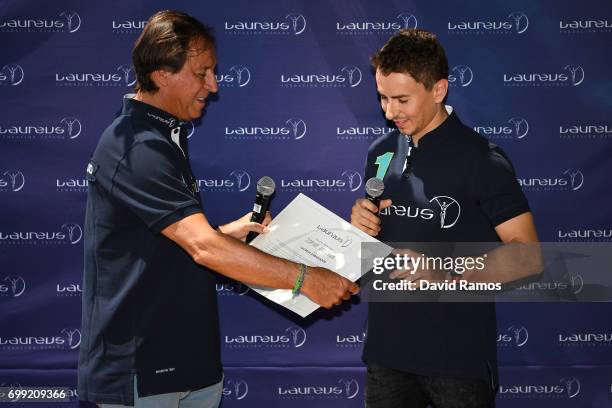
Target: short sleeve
pixel 496 189
pixel 149 182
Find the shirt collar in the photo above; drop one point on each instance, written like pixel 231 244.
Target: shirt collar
pixel 159 119
pixel 442 132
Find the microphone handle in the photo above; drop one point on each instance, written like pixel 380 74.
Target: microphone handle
pixel 374 200
pixel 260 208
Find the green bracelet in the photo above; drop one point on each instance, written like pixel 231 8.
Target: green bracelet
pixel 300 279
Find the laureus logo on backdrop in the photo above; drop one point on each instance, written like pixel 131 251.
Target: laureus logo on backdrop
pixel 585 339
pixel 513 336
pixel 291 24
pixel 237 76
pixel 235 389
pixel 291 337
pixel 236 181
pixel 65 128
pixel 461 76
pixel 386 26
pixel 290 129
pixel 579 26
pixel 351 133
pixel 570 75
pixel 568 283
pixel 68 289
pixel 71 185
pixel 347 181
pixel 568 180
pixel 513 128
pixel 350 340
pixel 347 76
pixel 66 339
pixel 67 21
pixel 12 286
pixel 585 235
pixel 11 74
pixel 585 131
pixel 11 181
pixel 566 387
pixel 128 26
pixel 122 76
pixel 515 23
pixel 68 233
pixel 344 388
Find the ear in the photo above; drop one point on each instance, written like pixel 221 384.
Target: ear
pixel 440 89
pixel 160 77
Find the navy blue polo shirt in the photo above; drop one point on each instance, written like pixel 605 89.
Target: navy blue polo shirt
pixel 458 189
pixel 148 309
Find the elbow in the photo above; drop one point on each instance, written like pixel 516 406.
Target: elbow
pixel 203 248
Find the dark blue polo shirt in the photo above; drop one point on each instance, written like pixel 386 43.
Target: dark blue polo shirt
pixel 148 309
pixel 459 188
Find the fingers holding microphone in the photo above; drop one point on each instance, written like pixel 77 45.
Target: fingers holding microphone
pixel 364 214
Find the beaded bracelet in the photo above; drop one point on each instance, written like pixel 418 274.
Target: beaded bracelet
pixel 300 280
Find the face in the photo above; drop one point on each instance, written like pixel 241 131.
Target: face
pixel 408 103
pixel 186 91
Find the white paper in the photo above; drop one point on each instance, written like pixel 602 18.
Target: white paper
pixel 308 233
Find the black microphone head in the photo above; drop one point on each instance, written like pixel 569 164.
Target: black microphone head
pixel 374 187
pixel 266 186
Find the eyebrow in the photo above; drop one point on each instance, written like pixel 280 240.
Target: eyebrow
pixel 394 96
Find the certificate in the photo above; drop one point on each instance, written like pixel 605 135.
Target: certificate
pixel 308 233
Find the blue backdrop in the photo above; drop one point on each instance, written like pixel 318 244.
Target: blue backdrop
pixel 297 101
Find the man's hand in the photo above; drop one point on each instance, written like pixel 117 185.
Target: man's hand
pixel 364 215
pixel 327 288
pixel 240 228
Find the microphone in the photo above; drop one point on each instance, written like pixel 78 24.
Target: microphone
pixel 373 190
pixel 265 190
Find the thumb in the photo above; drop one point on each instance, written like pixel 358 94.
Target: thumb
pixel 385 203
pixel 257 227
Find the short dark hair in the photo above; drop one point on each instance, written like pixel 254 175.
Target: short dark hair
pixel 415 52
pixel 164 44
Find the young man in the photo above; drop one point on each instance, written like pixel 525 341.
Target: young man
pixel 443 183
pixel 150 326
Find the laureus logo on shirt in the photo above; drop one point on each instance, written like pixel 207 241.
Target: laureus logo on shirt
pixel 570 75
pixel 460 75
pixel 514 128
pixel 390 25
pixel 12 286
pixel 232 288
pixel 567 387
pixel 11 74
pixel 123 75
pixel 291 24
pixel 11 181
pixel 446 208
pixel 67 21
pixel 236 181
pixel 516 22
pixel 514 336
pixel 347 76
pixel 66 339
pixel 344 388
pixel 291 337
pixel 235 389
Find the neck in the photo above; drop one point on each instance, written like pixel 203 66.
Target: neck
pixel 438 118
pixel 152 99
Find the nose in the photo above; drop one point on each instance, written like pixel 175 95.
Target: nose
pixel 389 111
pixel 211 82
